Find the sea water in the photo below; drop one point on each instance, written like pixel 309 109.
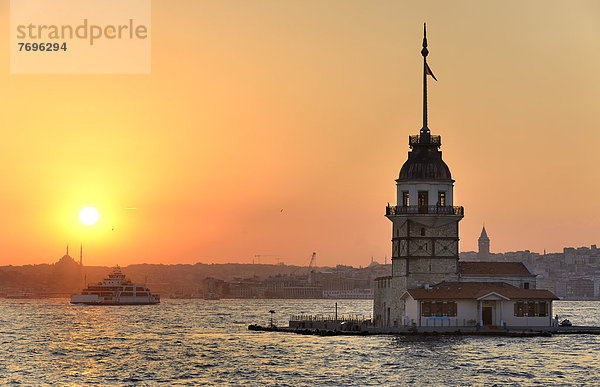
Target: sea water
pixel 199 342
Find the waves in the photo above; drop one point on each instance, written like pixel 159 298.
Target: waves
pixel 193 342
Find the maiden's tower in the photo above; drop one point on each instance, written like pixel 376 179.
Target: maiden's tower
pixel 428 285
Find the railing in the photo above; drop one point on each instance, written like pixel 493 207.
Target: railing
pixel 341 317
pixel 427 210
pixel 424 139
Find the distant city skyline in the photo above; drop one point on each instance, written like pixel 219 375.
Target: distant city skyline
pixel 278 128
pixel 280 261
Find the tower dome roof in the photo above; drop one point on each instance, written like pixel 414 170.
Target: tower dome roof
pixel 425 160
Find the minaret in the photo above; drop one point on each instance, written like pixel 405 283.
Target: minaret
pixel 67 250
pixel 484 245
pixel 424 220
pixel 81 255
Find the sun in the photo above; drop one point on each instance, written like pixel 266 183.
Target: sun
pixel 88 216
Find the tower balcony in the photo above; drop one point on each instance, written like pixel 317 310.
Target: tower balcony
pixel 424 139
pixel 424 210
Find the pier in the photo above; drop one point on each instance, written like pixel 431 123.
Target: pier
pixel 320 325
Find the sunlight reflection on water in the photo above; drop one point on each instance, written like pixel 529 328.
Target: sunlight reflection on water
pixel 191 342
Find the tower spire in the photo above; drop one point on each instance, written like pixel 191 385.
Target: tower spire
pixel 424 52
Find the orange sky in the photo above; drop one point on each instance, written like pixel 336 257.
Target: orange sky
pixel 257 106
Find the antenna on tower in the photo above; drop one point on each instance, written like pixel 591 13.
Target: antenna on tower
pixel 426 71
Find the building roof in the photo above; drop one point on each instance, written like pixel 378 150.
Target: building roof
pixel 425 163
pixel 478 290
pixel 494 269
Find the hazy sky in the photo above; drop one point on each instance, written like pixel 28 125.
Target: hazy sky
pixel 254 107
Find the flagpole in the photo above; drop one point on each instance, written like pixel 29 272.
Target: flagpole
pixel 424 52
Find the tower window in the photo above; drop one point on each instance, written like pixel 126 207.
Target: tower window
pixel 405 199
pixel 441 198
pixel 422 232
pixel 423 201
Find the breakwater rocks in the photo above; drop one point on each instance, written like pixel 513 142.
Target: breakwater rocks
pixel 304 331
pixel 548 332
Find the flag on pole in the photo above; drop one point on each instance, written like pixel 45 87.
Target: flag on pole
pixel 428 71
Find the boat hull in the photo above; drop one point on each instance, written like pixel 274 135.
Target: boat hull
pixel 89 299
pixel 114 303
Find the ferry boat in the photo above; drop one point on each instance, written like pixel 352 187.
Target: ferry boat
pixel 115 290
pixel 21 294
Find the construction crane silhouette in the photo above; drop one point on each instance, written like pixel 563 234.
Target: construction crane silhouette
pixel 257 257
pixel 313 261
pixel 312 264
